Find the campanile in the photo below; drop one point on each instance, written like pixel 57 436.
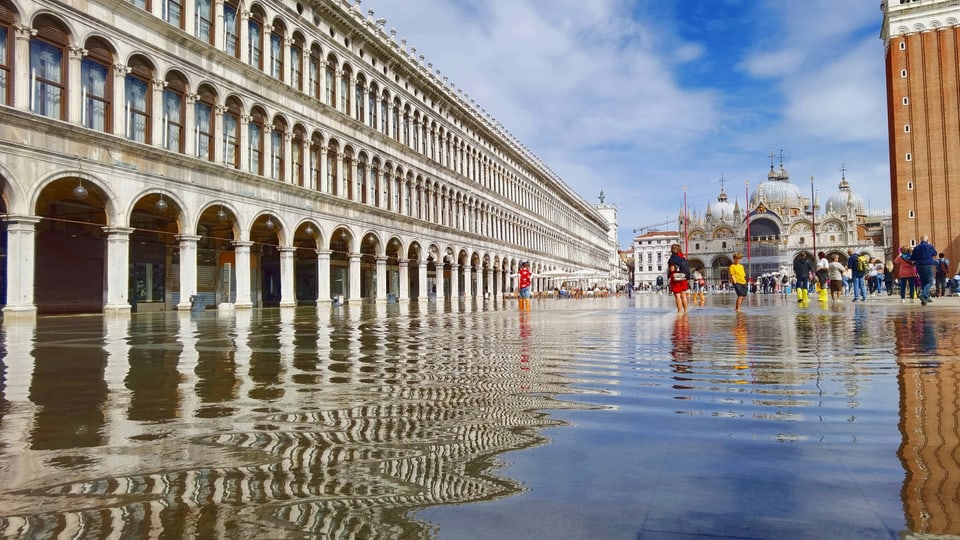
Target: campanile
pixel 922 53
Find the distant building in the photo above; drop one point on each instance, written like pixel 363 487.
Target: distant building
pixel 922 49
pixel 780 228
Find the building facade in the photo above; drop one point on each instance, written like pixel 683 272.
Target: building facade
pixel 921 41
pixel 772 230
pixel 157 154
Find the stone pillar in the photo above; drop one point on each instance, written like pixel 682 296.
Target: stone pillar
pixel 454 281
pixel 467 284
pixel 354 277
pixel 75 73
pixel 21 65
pixel 21 264
pixel 403 294
pixel 188 270
pixel 288 294
pixel 323 276
pixel 422 292
pixel 242 255
pixel 120 116
pixel 488 282
pixel 118 269
pixel 381 279
pixel 158 132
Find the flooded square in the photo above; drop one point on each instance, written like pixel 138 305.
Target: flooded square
pixel 590 418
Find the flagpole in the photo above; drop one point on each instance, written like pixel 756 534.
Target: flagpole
pixel 686 239
pixel 746 194
pixel 813 219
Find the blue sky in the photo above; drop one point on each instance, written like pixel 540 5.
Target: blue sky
pixel 640 98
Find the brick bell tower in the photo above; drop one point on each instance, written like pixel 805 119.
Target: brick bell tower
pixel 921 41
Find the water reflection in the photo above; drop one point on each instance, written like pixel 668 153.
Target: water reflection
pixel 346 422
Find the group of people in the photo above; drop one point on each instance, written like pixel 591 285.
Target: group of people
pixel 920 269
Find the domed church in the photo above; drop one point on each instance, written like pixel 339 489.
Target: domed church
pixel 776 227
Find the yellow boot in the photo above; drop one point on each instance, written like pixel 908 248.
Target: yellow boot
pixel 823 295
pixel 800 292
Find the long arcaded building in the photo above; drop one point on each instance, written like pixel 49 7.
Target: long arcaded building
pixel 253 154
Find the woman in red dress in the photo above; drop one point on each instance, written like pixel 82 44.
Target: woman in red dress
pixel 678 275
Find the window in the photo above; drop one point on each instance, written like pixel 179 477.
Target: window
pixel 313 72
pixel 174 111
pixel 173 12
pixel 361 188
pixel 903 45
pixel 142 4
pixel 372 186
pixel 296 63
pixel 909 186
pixel 297 158
pixel 277 154
pixel 47 69
pixel 6 55
pixel 911 215
pixel 276 55
pixel 96 87
pixel 231 134
pixel 137 116
pixel 345 77
pixel 203 111
pixel 254 44
pixel 203 25
pixel 358 98
pixel 909 157
pixel 329 78
pixel 231 30
pixel 383 112
pixel 372 105
pixel 903 74
pixel 906 128
pixel 316 154
pixel 906 101
pixel 255 142
pixel 333 168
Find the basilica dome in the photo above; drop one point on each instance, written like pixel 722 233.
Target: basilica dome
pixel 777 192
pixel 837 203
pixel 722 209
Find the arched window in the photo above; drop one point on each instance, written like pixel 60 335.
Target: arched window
pixel 361 191
pixel 174 113
pixel 255 141
pixel 313 72
pixel 255 40
pixel 374 92
pixel 358 97
pixel 7 21
pixel 345 102
pixel 297 157
pixel 203 26
pixel 48 71
pixel 276 52
pixel 416 131
pixel 205 128
pixel 231 28
pixel 406 126
pixel 328 82
pixel 396 119
pixel 316 154
pixel 138 99
pixel 97 86
pixel 296 62
pixel 231 133
pixel 372 184
pixel 346 187
pixel 383 112
pixel 277 150
pixel 333 169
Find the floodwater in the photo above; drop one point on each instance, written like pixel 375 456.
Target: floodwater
pixel 591 418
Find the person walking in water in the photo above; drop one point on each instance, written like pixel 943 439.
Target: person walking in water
pixel 739 278
pixel 679 274
pixel 524 283
pixel 924 256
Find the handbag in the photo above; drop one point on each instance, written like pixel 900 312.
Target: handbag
pixel 679 276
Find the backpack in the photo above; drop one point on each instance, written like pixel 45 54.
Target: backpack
pixel 863 264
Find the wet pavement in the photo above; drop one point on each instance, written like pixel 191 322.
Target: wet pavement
pixel 591 418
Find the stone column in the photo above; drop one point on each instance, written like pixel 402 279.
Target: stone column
pixel 354 277
pixel 120 116
pixel 323 276
pixel 467 285
pixel 288 294
pixel 488 282
pixel 21 65
pixel 158 132
pixel 422 292
pixel 75 74
pixel 454 281
pixel 21 264
pixel 403 294
pixel 118 269
pixel 381 279
pixel 242 255
pixel 188 270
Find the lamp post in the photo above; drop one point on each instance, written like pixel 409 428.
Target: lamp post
pixel 746 194
pixel 686 239
pixel 813 218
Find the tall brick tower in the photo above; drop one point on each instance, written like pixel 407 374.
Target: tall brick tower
pixel 922 47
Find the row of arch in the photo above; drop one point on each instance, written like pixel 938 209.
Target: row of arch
pixel 174 126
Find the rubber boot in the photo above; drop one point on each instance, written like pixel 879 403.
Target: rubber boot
pixel 823 295
pixel 804 295
pixel 800 294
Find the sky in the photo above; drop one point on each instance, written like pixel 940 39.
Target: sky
pixel 644 99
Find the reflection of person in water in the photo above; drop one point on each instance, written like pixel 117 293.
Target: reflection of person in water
pixel 525 333
pixel 740 342
pixel 681 343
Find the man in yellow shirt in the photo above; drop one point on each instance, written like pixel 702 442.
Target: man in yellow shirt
pixel 739 278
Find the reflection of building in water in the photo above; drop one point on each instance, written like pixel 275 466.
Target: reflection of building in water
pixel 929 425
